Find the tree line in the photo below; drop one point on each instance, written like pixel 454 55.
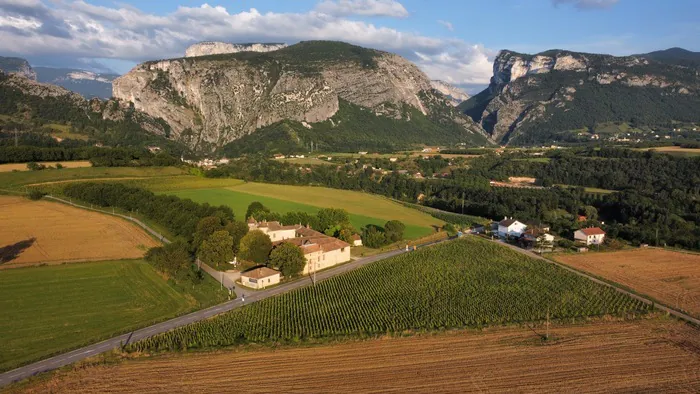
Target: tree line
pixel 99 157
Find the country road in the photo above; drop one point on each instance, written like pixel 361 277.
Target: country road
pixel 250 296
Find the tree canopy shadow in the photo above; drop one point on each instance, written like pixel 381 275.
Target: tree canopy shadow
pixel 11 252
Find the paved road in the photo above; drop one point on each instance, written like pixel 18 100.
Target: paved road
pixel 138 222
pixel 664 308
pixel 249 295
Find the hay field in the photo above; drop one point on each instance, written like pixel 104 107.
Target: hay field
pixel 638 356
pixel 23 166
pixel 670 277
pixel 359 203
pixel 239 201
pixel 34 232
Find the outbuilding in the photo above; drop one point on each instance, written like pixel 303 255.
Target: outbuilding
pixel 260 278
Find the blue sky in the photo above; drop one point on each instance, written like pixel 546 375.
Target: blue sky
pixel 451 40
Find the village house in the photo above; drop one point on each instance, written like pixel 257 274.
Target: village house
pixel 320 250
pixel 509 227
pixel 260 278
pixel 537 237
pixel 590 235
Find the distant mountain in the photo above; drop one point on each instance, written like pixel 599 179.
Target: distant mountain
pixel 17 65
pixel 545 97
pixel 455 94
pixel 85 83
pixel 332 94
pixel 677 56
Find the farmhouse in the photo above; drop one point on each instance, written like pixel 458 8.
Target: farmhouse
pixel 590 235
pixel 260 278
pixel 274 230
pixel 320 250
pixel 510 228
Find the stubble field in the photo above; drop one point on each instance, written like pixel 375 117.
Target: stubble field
pixel 35 232
pixel 670 277
pixel 638 356
pixel 23 166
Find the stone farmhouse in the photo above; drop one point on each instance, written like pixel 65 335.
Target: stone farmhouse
pixel 320 250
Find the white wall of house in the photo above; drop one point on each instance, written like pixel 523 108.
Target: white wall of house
pixel 317 261
pixel 280 235
pixel 260 283
pixel 514 230
pixel 596 239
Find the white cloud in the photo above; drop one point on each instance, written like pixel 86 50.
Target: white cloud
pixel 587 4
pixel 81 30
pixel 390 8
pixel 448 25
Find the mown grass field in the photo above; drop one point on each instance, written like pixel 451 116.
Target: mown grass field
pixel 238 200
pixel 50 309
pixel 46 178
pixel 464 283
pixel 9 167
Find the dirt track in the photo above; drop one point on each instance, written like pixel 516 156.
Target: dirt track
pixel 647 355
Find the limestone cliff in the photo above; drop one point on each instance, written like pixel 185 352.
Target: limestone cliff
pixel 219 48
pixel 210 101
pixel 557 90
pixel 455 94
pixel 17 65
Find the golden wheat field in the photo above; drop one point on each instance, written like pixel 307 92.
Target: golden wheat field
pixel 34 232
pixel 655 355
pixel 670 277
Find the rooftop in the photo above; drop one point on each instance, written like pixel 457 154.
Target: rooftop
pixel 259 273
pixel 592 231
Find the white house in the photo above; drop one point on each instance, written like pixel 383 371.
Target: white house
pixel 511 228
pixel 274 230
pixel 356 240
pixel 590 235
pixel 260 278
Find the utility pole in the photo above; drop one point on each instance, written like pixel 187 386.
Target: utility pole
pixel 657 237
pixel 547 333
pixel 16 138
pixel 462 203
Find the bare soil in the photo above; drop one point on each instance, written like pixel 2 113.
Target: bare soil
pixel 670 277
pixel 655 355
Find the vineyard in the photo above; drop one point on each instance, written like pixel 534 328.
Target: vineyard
pixel 464 283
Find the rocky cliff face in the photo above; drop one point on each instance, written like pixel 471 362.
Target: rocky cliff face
pixel 455 94
pixel 218 48
pixel 212 100
pixel 17 65
pixel 560 90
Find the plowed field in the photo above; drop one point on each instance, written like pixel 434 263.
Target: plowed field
pixel 640 356
pixel 670 277
pixel 34 232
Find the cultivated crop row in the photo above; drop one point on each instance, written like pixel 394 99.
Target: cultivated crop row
pixel 465 283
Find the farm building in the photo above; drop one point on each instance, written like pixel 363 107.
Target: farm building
pixel 511 228
pixel 320 250
pixel 356 240
pixel 590 235
pixel 274 230
pixel 260 278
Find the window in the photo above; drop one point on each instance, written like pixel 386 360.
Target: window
pixel 342 250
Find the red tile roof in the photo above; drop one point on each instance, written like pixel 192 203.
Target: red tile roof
pixel 259 273
pixel 592 231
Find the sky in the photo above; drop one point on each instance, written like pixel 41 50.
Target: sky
pixel 452 40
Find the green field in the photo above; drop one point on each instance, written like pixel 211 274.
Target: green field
pixel 238 198
pixel 16 180
pixel 464 283
pixel 46 310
